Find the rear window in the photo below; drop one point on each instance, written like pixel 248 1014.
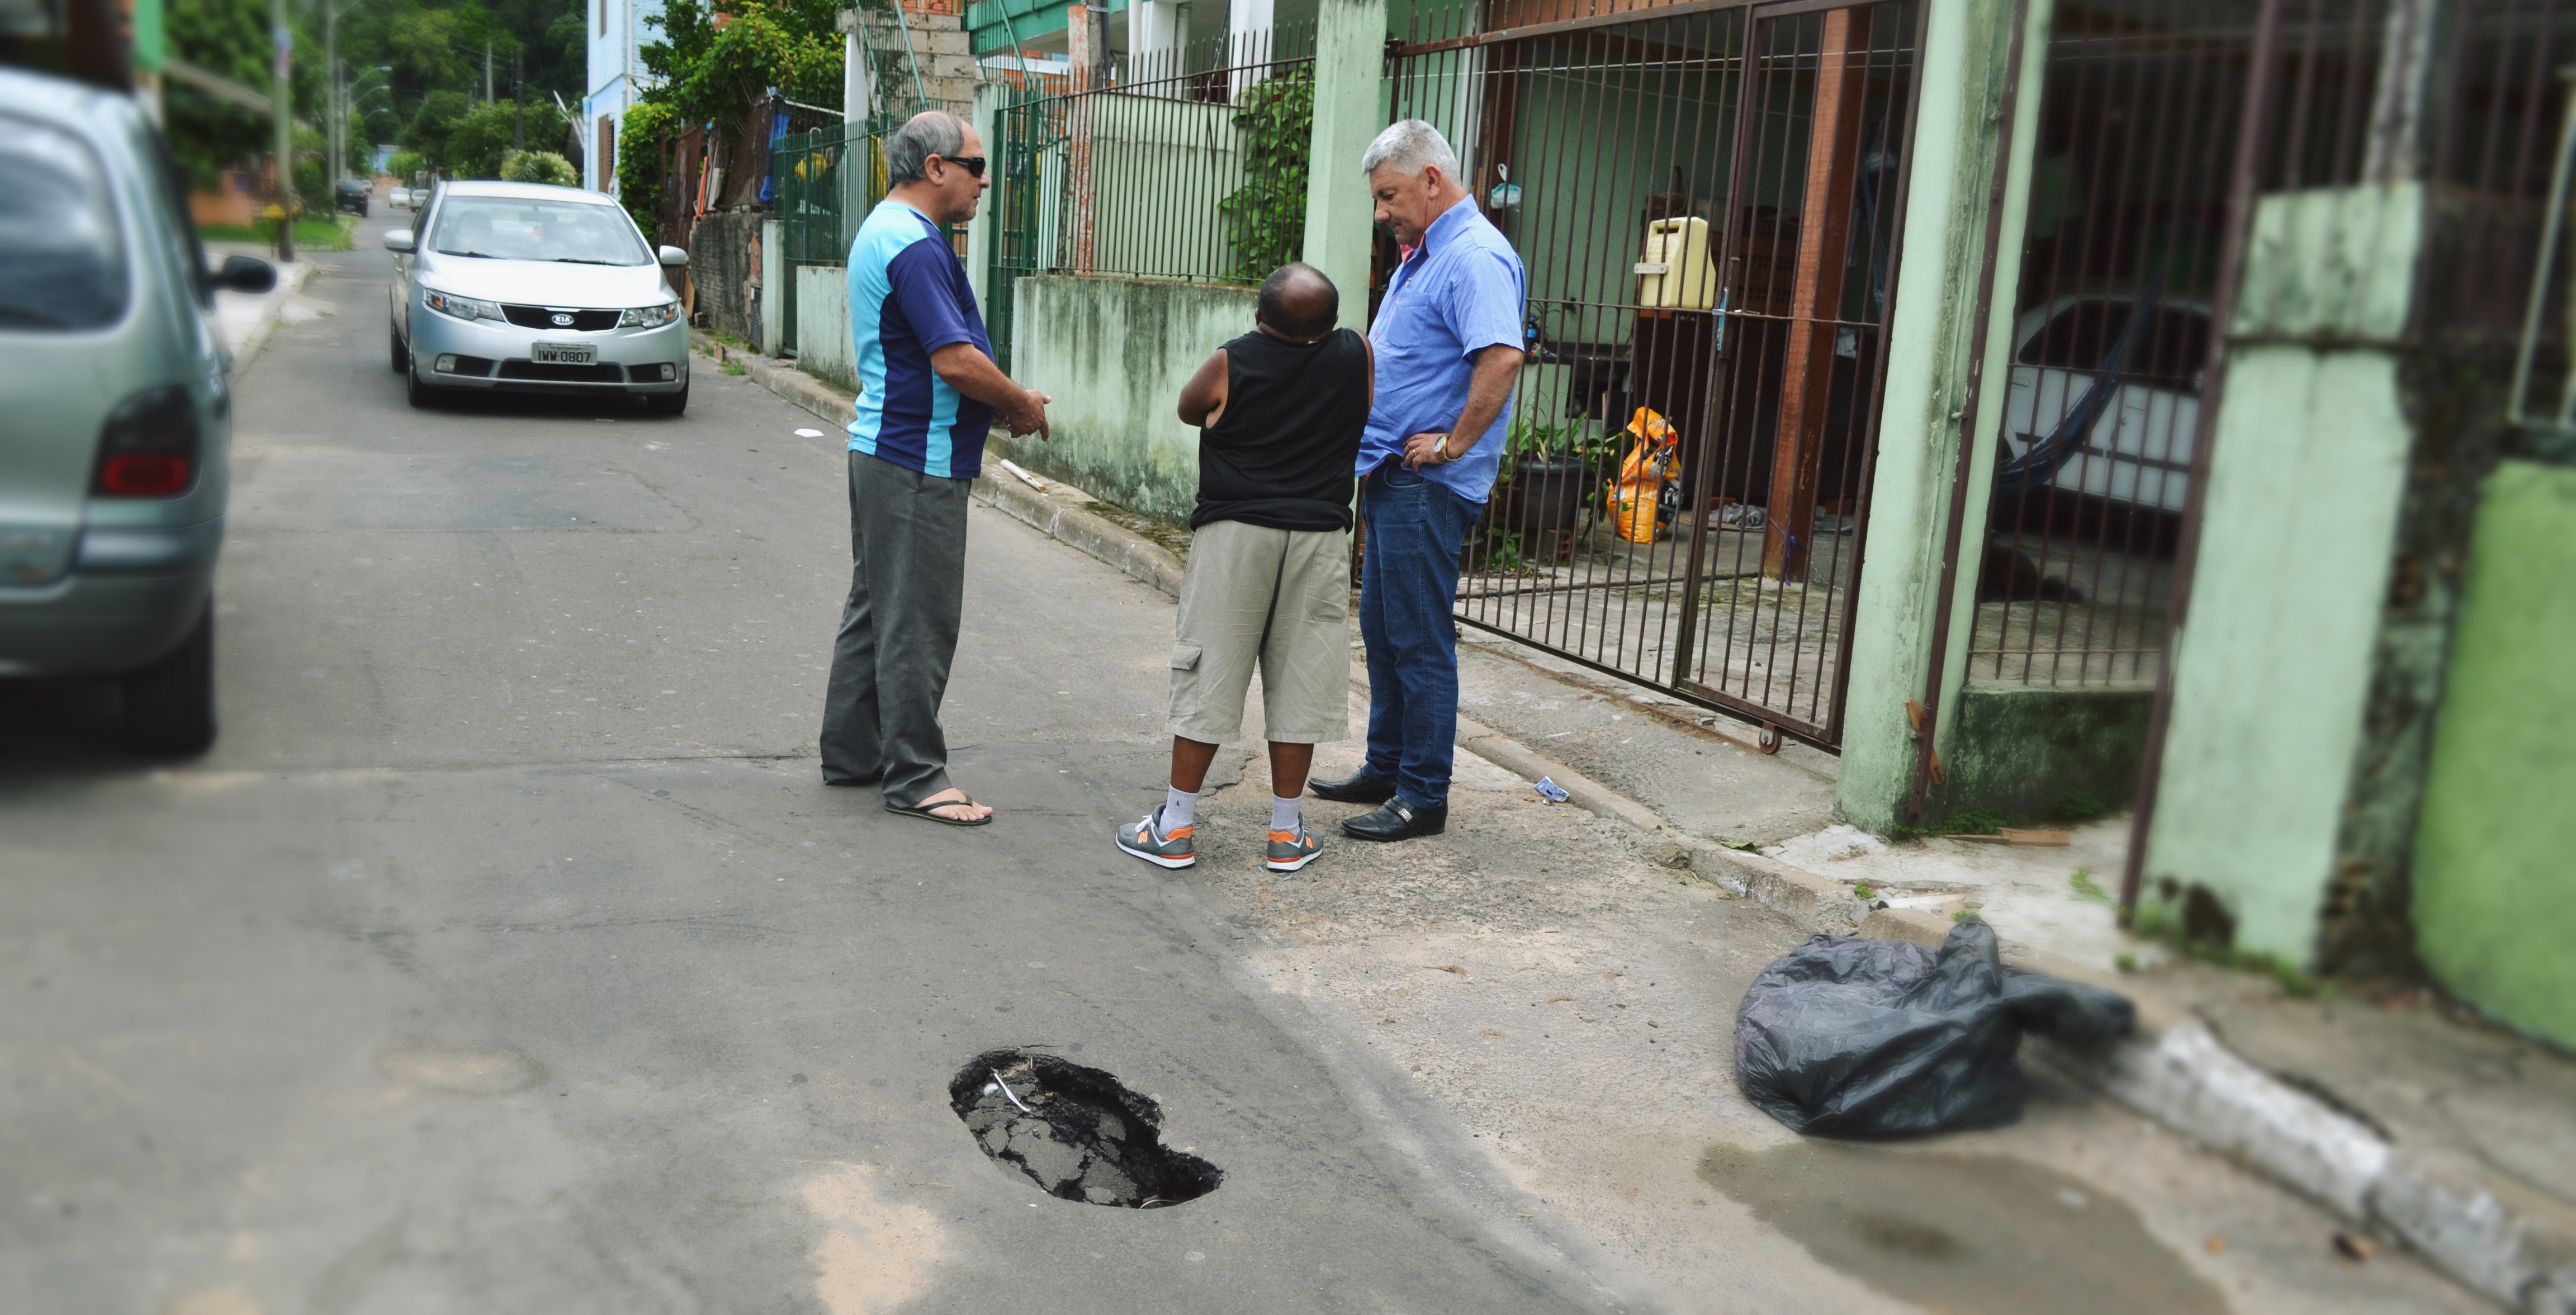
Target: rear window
pixel 62 258
pixel 2172 346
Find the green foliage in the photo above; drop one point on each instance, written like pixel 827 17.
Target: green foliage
pixel 478 140
pixel 2081 806
pixel 1863 890
pixel 431 121
pixel 310 234
pixel 2126 963
pixel 642 161
pixel 2086 888
pixel 403 164
pixel 711 74
pixel 1505 557
pixel 1265 219
pixel 539 167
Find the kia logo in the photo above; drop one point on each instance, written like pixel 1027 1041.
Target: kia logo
pixel 562 321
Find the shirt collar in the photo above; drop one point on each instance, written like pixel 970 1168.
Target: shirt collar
pixel 1447 223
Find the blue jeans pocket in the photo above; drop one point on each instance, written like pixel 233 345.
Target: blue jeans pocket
pixel 1395 478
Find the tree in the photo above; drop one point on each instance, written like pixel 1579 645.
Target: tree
pixel 539 167
pixel 478 140
pixel 711 73
pixel 427 132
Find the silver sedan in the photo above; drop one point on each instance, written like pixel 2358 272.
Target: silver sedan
pixel 528 288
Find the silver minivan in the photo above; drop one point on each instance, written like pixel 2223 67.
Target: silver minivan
pixel 115 409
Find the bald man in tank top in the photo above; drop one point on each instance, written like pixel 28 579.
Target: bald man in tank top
pixel 1281 411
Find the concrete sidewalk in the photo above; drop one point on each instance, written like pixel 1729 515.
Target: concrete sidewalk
pixel 245 319
pixel 2455 1141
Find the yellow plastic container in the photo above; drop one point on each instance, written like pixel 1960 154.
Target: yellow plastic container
pixel 1675 272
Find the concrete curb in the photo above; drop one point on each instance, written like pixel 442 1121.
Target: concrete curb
pixel 2172 1068
pixel 297 275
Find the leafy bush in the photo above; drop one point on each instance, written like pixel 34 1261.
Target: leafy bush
pixel 539 167
pixel 405 165
pixel 1265 219
pixel 2081 806
pixel 643 138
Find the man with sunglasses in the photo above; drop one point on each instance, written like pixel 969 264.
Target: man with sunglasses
pixel 928 392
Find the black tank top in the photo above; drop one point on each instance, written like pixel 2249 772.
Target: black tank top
pixel 1281 454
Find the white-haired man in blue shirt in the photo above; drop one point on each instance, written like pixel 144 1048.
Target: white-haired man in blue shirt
pixel 1448 347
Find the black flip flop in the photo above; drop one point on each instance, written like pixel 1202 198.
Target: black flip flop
pixel 923 811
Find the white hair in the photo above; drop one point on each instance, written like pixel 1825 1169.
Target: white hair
pixel 1411 145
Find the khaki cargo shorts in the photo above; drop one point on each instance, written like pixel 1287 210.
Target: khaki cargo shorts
pixel 1278 599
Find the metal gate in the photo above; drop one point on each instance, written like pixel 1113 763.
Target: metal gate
pixel 1708 201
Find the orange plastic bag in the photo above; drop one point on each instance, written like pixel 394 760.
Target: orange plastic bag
pixel 1651 460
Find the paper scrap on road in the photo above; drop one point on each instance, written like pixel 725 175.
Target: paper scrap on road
pixel 809 433
pixel 1550 791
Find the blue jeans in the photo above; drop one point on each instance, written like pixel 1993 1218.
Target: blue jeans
pixel 1417 529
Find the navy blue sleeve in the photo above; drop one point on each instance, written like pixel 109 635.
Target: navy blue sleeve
pixel 922 280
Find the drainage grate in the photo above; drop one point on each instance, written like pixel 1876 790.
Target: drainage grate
pixel 1076 1132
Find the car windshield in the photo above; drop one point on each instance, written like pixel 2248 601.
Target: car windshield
pixel 510 228
pixel 2171 349
pixel 62 257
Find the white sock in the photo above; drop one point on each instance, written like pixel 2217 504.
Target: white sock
pixel 1283 814
pixel 1180 809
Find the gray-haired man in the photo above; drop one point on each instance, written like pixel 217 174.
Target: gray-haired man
pixel 928 392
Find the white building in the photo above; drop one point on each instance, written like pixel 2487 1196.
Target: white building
pixel 616 30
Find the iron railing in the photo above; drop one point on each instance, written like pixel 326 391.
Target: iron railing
pixel 822 185
pixel 1184 163
pixel 1707 204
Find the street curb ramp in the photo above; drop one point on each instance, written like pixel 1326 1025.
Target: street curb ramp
pixel 2171 1067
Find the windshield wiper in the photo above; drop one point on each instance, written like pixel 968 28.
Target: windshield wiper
pixel 579 260
pixel 31 315
pixel 478 255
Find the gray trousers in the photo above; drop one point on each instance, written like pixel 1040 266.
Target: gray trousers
pixel 898 631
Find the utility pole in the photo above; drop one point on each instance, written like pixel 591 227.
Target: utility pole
pixel 285 132
pixel 518 102
pixel 334 108
pixel 487 72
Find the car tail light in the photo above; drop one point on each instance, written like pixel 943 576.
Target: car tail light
pixel 148 447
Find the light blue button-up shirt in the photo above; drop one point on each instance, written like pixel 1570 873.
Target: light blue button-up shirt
pixel 1463 291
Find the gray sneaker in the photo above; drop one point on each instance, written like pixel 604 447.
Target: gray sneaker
pixel 1291 850
pixel 1171 851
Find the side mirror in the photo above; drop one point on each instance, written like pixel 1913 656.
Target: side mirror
pixel 398 241
pixel 674 257
pixel 246 274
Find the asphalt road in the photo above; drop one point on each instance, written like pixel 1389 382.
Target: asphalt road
pixel 507 953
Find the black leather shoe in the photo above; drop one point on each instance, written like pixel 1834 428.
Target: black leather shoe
pixel 1357 788
pixel 1397 820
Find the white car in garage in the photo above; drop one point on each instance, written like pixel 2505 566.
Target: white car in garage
pixel 2105 399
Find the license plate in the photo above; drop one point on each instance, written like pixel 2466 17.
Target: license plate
pixel 564 353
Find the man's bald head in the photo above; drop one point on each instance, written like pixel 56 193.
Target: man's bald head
pixel 1298 302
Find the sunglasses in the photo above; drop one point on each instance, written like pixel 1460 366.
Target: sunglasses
pixel 972 164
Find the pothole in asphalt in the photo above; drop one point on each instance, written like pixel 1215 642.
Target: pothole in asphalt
pixel 1960 1232
pixel 1076 1132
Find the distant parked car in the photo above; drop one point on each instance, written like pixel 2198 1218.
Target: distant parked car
pixel 2131 444
pixel 399 198
pixel 352 194
pixel 114 458
pixel 525 287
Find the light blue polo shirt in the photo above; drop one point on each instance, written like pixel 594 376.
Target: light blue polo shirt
pixel 1463 291
pixel 908 298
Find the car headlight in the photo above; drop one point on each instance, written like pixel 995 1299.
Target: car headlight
pixel 649 317
pixel 463 308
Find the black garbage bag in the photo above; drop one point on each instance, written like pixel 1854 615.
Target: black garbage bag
pixel 1845 1037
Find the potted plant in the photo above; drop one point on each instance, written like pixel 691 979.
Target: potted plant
pixel 1544 475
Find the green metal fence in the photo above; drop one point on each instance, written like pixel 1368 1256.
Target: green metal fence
pixel 823 183
pixel 1190 165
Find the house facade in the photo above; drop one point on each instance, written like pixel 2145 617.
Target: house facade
pixel 616 30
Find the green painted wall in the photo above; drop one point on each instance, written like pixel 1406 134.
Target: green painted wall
pixel 2308 467
pixel 2018 749
pixel 1113 353
pixel 1956 146
pixel 2493 915
pixel 1350 99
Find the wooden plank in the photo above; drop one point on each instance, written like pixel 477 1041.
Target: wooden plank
pixel 1824 237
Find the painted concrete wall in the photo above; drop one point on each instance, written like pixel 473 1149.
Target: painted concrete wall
pixel 1956 146
pixel 2492 914
pixel 1114 354
pixel 823 346
pixel 2019 749
pixel 2308 464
